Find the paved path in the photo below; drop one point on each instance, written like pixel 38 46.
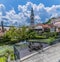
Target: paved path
pixel 50 55
pixel 25 51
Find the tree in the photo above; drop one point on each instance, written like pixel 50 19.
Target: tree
pixel 15 35
pixel 22 33
pixel 10 36
pixel 48 22
pixel 31 34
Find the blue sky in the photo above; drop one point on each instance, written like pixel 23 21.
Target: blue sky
pixel 18 11
pixel 14 3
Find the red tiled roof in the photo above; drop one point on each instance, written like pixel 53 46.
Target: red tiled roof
pixel 46 25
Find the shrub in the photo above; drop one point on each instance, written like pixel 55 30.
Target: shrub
pixel 46 34
pixel 50 41
pixel 3 59
pixel 50 34
pixel 40 37
pixel 12 56
pixel 53 34
pixel 31 35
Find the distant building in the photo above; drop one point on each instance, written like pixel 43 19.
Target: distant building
pixel 3 29
pixel 56 23
pixel 41 27
pixel 44 28
pixel 54 26
pixel 38 28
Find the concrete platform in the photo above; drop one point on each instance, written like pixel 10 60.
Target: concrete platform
pixel 52 54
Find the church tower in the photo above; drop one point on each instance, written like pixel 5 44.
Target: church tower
pixel 32 17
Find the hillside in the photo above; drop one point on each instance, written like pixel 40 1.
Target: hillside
pixel 49 21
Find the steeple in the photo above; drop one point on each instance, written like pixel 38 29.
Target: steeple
pixel 32 17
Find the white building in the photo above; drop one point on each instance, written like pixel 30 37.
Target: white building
pixel 56 23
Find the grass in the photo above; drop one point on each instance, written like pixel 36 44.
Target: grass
pixel 3 59
pixel 48 41
pixel 3 52
pixel 6 48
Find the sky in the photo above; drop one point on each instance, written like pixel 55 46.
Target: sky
pixel 17 12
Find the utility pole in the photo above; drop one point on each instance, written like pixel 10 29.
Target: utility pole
pixel 2 26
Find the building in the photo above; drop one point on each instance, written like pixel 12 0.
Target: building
pixel 32 18
pixel 6 28
pixel 40 27
pixel 56 23
pixel 44 28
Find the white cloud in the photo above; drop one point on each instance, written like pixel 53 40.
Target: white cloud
pixel 37 17
pixel 2 6
pixel 42 13
pixel 2 9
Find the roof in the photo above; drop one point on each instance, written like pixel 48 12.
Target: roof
pixel 57 24
pixel 38 27
pixel 44 25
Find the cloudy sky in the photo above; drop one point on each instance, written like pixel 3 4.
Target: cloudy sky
pixel 17 12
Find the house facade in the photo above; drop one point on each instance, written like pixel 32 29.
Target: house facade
pixel 54 26
pixel 6 28
pixel 44 28
pixel 56 23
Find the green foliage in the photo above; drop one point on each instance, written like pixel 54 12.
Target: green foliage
pixel 12 56
pixel 49 21
pixel 31 34
pixel 22 33
pixel 47 41
pixel 50 34
pixel 15 35
pixel 45 34
pixel 5 52
pixel 53 34
pixel 40 37
pixel 50 41
pixel 3 59
pixel 10 36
